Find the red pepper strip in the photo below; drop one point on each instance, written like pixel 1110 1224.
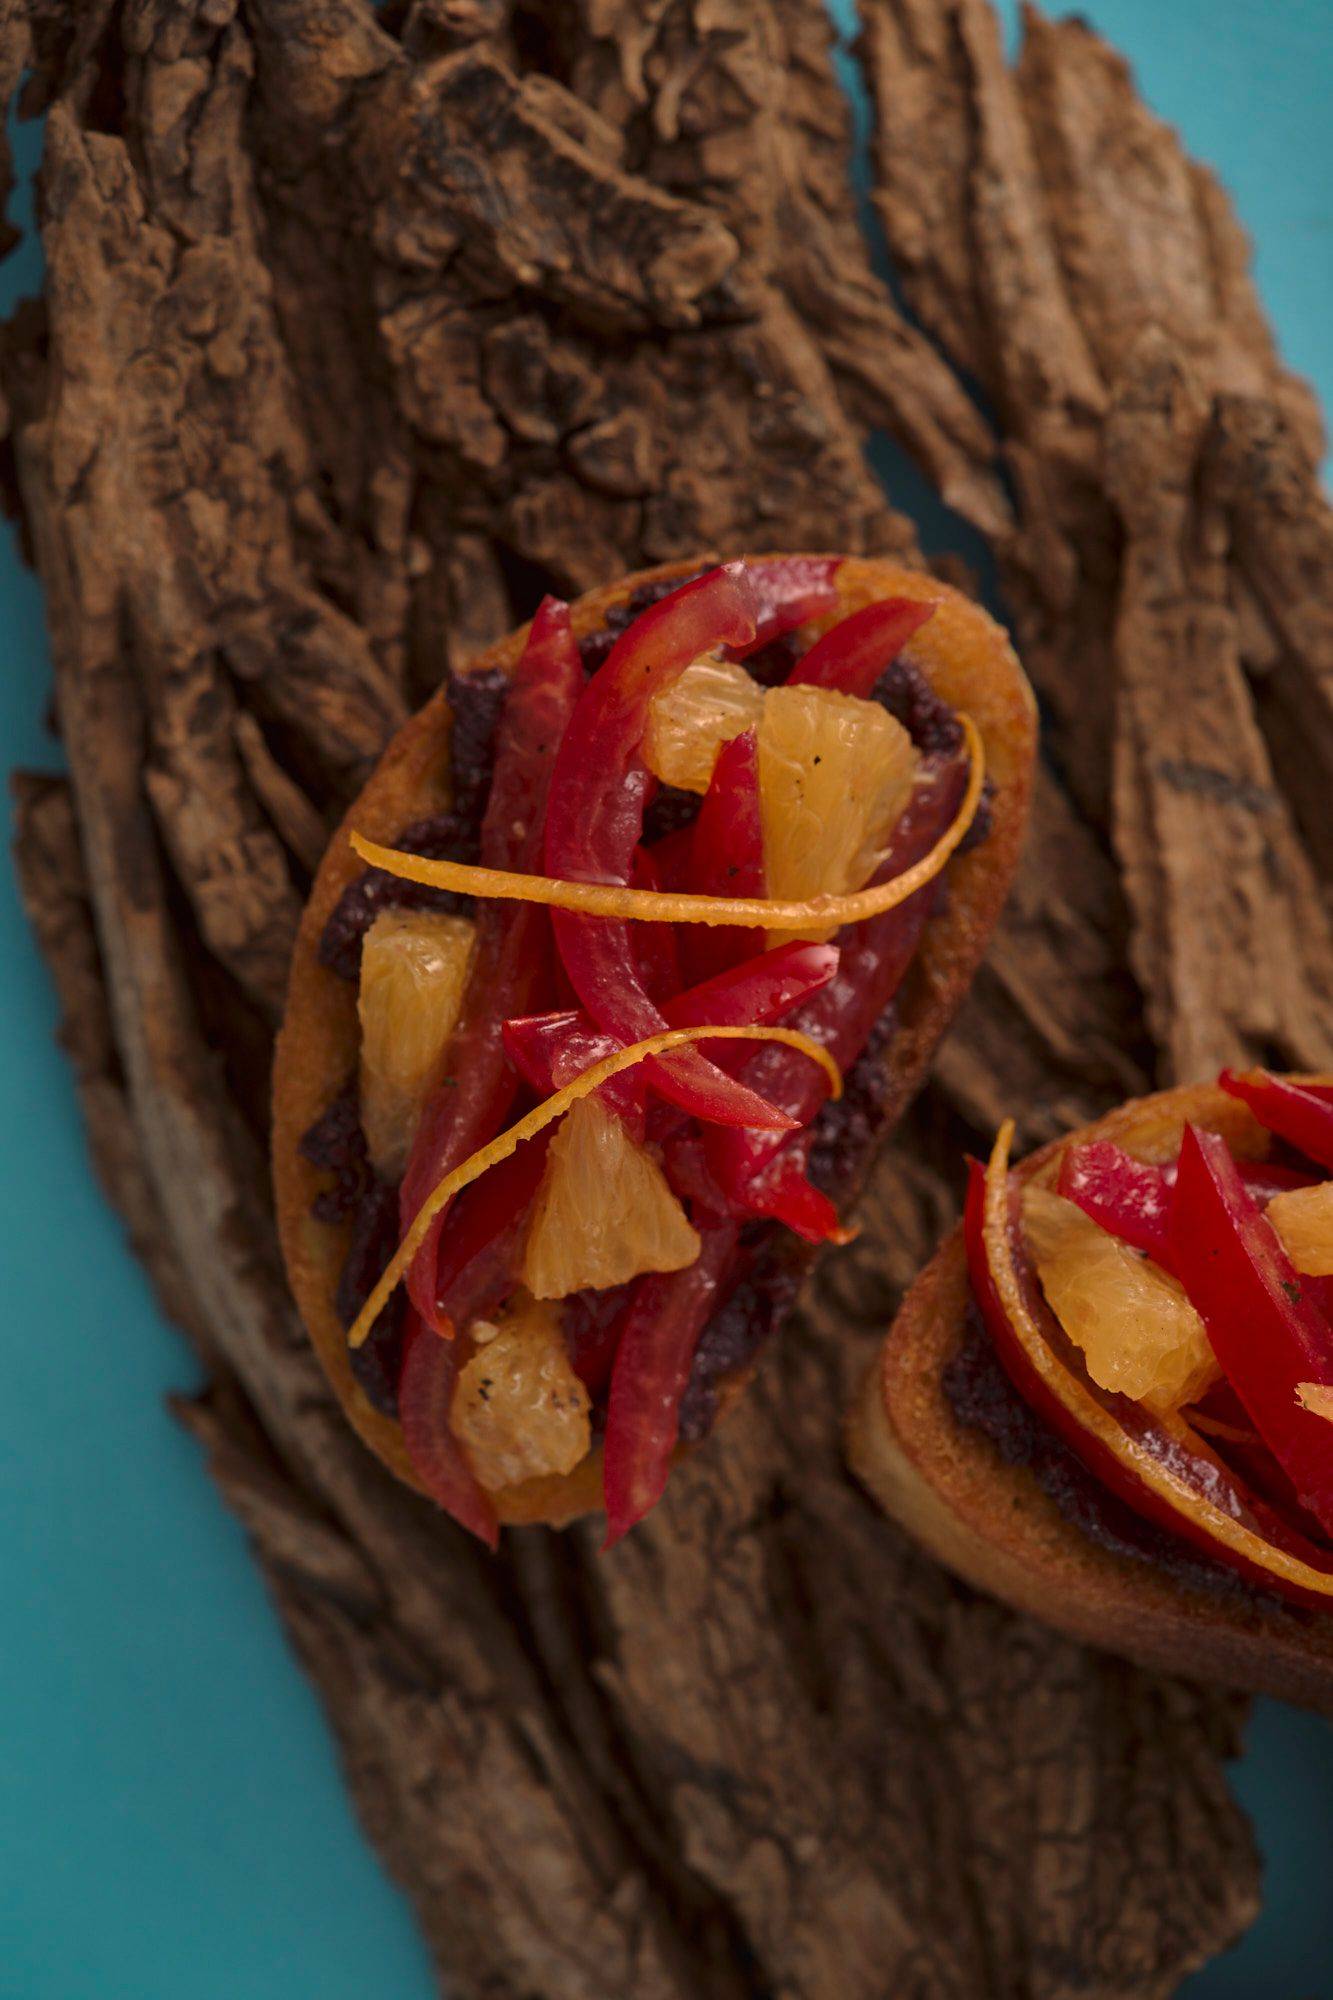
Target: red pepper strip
pixel 762 989
pixel 595 818
pixel 478 1255
pixel 430 1371
pixel 1224 1420
pixel 875 956
pixel 727 855
pixel 783 1192
pixel 852 656
pixel 1261 1324
pixel 671 858
pixel 1253 1463
pixel 1319 1291
pixel 512 950
pixel 550 1050
pixel 1128 1197
pixel 591 1324
pixel 1302 1117
pixel 1220 1410
pixel 1264 1178
pixel 1128 1444
pixel 655 948
pixel 1133 1199
pixel 686 1168
pixel 662 1323
pixel 787 593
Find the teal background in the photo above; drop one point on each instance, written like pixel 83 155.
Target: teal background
pixel 172 1824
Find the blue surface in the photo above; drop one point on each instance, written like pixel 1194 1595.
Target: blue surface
pixel 171 1818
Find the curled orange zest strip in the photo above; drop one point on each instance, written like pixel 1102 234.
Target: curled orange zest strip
pixel 542 1115
pixel 612 899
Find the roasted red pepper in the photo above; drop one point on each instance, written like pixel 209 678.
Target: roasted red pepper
pixel 1226 1423
pixel 875 956
pixel 686 1168
pixel 783 1192
pixel 671 859
pixel 727 856
pixel 592 1324
pixel 550 1050
pixel 512 949
pixel 852 656
pixel 1264 1178
pixel 1127 1196
pixel 654 1351
pixel 655 947
pixel 1262 1326
pixel 760 989
pixel 425 1393
pixel 1132 1199
pixel 594 822
pixel 478 1261
pixel 786 594
pixel 1301 1116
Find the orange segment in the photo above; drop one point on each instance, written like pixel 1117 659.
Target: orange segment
pixel 1138 1333
pixel 519 1410
pixel 604 1212
pixel 712 701
pixel 1316 1397
pixel 414 971
pixel 1303 1218
pixel 835 774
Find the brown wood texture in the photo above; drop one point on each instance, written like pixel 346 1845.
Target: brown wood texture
pixel 359 330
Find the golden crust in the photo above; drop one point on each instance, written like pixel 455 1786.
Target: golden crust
pixel 966 656
pixel 992 1523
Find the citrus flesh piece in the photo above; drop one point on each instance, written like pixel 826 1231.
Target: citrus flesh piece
pixel 1137 1331
pixel 519 1410
pixel 1303 1218
pixel 1316 1397
pixel 604 1212
pixel 710 703
pixel 414 972
pixel 835 774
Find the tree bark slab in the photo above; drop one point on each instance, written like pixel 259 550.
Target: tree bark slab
pixel 359 331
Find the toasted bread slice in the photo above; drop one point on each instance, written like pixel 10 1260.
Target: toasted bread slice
pixel 993 1524
pixel 963 653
